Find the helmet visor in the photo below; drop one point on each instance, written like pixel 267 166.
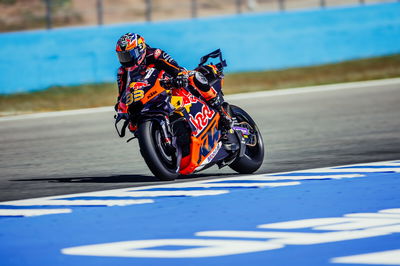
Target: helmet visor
pixel 130 56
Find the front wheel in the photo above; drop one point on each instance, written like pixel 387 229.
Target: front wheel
pixel 157 155
pixel 253 156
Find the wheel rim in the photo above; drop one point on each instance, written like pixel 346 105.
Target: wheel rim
pixel 251 151
pixel 169 161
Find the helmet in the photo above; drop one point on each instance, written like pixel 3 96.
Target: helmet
pixel 131 49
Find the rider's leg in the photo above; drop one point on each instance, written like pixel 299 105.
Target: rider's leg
pixel 213 99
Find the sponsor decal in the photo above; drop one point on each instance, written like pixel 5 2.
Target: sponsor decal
pixel 208 146
pixel 138 92
pixel 138 85
pixel 157 53
pixel 129 99
pixel 190 99
pixel 210 157
pixel 200 120
pixel 151 94
pixel 187 98
pixel 167 57
pixel 132 44
pixel 149 73
pixel 141 43
pixel 138 95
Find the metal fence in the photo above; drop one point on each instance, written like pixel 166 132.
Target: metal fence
pixel 30 14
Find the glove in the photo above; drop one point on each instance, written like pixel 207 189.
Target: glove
pixel 181 81
pixel 120 116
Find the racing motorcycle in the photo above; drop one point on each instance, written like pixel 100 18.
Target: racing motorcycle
pixel 179 134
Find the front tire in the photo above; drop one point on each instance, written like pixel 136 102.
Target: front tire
pixel 254 155
pixel 160 160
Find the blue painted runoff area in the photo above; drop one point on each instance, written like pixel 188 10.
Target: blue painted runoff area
pixel 365 211
pixel 35 60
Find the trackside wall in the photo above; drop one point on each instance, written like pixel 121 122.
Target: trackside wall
pixel 35 60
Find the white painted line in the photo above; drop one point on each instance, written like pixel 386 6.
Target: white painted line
pixel 161 193
pixel 231 97
pixel 236 185
pixel 305 223
pixel 58 113
pixel 390 257
pixel 359 224
pixel 252 234
pixel 208 187
pixel 311 89
pixel 63 199
pixel 388 228
pixel 295 238
pixel 395 164
pixel 391 211
pixel 352 170
pixel 195 248
pixel 211 183
pixel 297 177
pixel 55 202
pixel 374 215
pixel 31 212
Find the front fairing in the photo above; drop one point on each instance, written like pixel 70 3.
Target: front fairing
pixel 205 144
pixel 145 95
pixel 160 104
pixel 196 111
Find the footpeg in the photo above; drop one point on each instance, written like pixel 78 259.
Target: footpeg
pixel 231 146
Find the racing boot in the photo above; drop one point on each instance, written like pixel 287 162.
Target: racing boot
pixel 214 100
pixel 223 108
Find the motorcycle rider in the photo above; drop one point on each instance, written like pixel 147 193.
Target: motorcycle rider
pixel 136 56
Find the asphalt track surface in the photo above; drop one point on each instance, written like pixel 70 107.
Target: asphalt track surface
pixel 79 153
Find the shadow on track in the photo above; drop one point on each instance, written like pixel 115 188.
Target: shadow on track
pixel 119 179
pixel 97 179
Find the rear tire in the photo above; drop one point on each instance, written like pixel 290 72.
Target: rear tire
pixel 254 156
pixel 161 162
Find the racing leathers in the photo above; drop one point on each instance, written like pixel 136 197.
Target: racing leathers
pixel 160 60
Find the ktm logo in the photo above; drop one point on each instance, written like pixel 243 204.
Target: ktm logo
pixel 151 94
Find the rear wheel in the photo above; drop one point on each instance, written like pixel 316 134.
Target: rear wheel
pixel 157 154
pixel 254 155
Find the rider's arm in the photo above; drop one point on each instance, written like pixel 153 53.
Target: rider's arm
pixel 121 81
pixel 163 61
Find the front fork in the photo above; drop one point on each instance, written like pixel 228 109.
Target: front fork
pixel 166 130
pixel 170 141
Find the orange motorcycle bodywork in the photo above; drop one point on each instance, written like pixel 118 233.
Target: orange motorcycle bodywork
pixel 204 144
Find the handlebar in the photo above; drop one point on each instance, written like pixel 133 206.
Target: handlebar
pixel 119 117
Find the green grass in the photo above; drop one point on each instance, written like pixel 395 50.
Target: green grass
pixel 356 70
pixel 94 95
